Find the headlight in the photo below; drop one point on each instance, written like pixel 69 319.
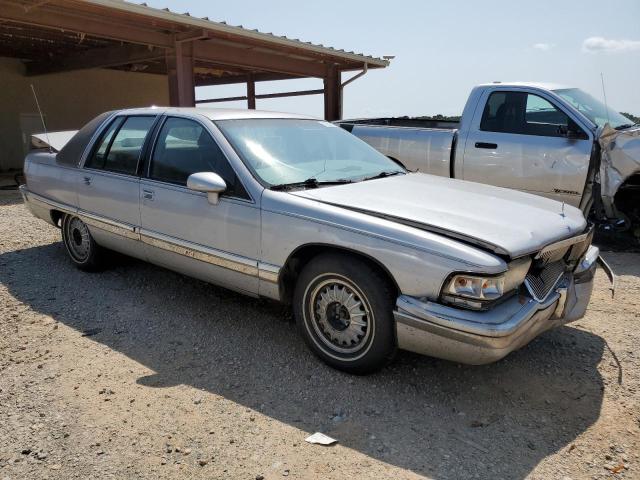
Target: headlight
pixel 482 288
pixel 472 291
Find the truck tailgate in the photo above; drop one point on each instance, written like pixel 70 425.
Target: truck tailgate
pixel 426 149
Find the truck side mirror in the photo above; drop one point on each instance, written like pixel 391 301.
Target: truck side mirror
pixel 574 135
pixel 571 132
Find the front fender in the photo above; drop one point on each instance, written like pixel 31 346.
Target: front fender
pixel 418 261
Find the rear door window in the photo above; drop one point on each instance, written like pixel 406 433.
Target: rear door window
pixel 120 146
pixel 99 157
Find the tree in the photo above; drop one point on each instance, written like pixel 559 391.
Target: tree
pixel 633 118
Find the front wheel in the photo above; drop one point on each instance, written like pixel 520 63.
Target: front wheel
pixel 84 252
pixel 344 311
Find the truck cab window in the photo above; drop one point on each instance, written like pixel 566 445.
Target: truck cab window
pixel 523 113
pixel 120 146
pixel 184 147
pixel 543 118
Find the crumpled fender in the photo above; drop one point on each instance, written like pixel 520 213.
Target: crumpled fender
pixel 620 159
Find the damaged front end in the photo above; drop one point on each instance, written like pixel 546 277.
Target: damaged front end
pixel 619 178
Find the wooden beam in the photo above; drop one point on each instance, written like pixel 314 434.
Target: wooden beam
pixel 180 75
pixel 96 58
pixel 256 60
pixel 332 94
pixel 186 85
pixel 222 99
pixel 251 93
pixel 49 16
pixel 190 35
pixel 233 79
pixel 261 96
pixel 299 93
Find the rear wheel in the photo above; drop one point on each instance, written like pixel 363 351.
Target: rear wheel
pixel 84 252
pixel 344 311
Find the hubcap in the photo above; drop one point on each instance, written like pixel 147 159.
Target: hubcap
pixel 341 315
pixel 78 239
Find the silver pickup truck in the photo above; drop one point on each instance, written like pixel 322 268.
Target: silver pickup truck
pixel 550 140
pixel 297 210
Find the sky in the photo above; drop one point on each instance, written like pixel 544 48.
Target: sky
pixel 442 49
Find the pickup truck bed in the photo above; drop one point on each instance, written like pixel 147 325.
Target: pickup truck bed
pixel 416 147
pixel 404 122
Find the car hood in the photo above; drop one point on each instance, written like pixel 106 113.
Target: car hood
pixel 506 221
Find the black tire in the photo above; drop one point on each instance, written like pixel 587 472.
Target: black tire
pixel 83 250
pixel 344 311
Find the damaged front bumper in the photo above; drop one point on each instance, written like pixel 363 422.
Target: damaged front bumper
pixel 479 337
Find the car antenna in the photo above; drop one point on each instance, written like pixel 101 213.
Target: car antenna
pixel 604 94
pixel 44 125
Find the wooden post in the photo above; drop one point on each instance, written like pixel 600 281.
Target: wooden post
pixel 332 94
pixel 251 92
pixel 180 75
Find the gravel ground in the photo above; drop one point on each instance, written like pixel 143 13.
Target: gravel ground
pixel 138 372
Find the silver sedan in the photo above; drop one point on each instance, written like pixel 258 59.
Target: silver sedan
pixel 371 257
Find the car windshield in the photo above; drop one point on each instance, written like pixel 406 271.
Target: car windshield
pixel 289 151
pixel 593 109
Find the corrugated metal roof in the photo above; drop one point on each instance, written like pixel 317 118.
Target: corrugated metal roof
pixel 238 30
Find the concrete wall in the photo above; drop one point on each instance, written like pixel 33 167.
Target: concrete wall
pixel 68 101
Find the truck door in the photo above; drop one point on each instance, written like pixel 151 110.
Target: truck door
pixel 523 140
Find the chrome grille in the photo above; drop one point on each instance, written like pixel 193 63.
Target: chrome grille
pixel 556 251
pixel 540 281
pixel 552 256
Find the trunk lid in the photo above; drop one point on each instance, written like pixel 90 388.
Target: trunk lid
pixel 55 140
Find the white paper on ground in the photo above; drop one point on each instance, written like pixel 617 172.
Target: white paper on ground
pixel 320 439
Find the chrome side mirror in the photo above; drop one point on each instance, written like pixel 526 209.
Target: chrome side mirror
pixel 208 182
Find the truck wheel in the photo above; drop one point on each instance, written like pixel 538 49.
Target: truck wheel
pixel 84 252
pixel 344 311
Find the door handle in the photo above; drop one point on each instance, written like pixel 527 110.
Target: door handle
pixel 87 180
pixel 148 194
pixel 490 146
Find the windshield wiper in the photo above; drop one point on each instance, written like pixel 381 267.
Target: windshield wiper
pixel 383 175
pixel 309 183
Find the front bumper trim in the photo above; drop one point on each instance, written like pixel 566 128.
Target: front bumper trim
pixel 478 337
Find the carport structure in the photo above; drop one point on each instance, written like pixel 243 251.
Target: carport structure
pixel 66 35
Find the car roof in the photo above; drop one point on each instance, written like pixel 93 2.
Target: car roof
pixel 542 85
pixel 215 113
pixel 71 152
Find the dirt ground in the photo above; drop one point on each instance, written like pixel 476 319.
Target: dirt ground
pixel 138 372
